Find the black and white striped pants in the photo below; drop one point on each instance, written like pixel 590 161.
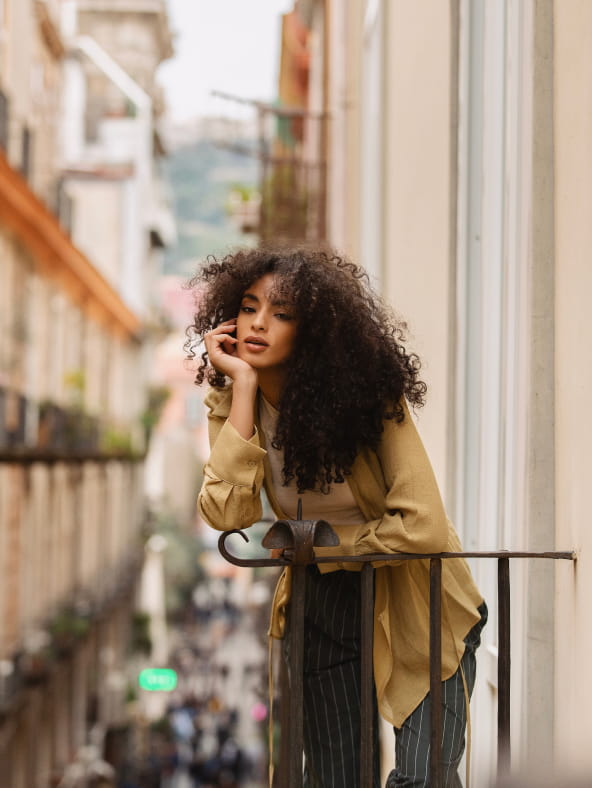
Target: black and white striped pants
pixel 332 724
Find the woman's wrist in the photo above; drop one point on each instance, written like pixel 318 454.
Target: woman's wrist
pixel 245 381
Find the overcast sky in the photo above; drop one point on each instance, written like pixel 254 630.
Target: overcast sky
pixel 228 45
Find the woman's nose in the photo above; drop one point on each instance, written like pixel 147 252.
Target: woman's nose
pixel 258 322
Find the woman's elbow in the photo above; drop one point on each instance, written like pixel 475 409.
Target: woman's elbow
pixel 229 514
pixel 440 543
pixel 440 535
pixel 434 536
pixel 209 513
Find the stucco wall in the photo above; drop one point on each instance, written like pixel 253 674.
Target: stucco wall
pixel 417 191
pixel 573 338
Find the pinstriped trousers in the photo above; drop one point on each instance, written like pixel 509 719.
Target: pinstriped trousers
pixel 412 745
pixel 332 724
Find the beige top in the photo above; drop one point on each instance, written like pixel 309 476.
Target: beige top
pixel 396 491
pixel 336 506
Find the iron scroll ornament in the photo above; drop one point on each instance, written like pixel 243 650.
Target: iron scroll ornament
pixel 296 538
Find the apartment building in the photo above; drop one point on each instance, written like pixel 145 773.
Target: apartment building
pixel 458 164
pixel 83 220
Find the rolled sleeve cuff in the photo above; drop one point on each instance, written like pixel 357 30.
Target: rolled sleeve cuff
pixel 234 459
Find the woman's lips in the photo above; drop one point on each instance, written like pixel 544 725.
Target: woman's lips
pixel 255 344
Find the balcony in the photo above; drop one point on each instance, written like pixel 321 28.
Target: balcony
pixel 297 538
pixel 63 629
pixel 48 432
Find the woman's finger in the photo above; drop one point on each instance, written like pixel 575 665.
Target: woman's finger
pixel 228 344
pixel 225 326
pixel 216 340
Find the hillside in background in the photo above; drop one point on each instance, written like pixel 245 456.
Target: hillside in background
pixel 201 176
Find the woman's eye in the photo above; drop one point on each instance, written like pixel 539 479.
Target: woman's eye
pixel 283 316
pixel 247 309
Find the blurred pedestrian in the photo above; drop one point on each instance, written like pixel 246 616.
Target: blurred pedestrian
pixel 311 383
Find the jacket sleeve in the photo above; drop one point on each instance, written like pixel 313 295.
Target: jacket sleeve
pixel 233 475
pixel 413 519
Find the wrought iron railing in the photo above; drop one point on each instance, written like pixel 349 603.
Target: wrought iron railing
pixel 297 539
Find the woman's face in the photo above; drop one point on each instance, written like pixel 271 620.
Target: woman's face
pixel 265 327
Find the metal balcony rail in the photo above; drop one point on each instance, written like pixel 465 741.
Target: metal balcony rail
pixel 297 538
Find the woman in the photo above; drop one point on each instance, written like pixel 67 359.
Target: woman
pixel 310 384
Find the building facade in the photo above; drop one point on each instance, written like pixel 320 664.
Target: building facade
pixel 73 383
pixel 458 174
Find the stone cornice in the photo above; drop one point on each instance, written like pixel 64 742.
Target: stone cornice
pixel 56 257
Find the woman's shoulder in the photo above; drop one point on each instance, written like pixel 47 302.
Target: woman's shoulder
pixel 218 401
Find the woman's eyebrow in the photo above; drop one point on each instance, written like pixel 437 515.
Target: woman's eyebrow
pixel 273 301
pixel 279 302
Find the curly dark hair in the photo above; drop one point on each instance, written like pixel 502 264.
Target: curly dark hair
pixel 349 370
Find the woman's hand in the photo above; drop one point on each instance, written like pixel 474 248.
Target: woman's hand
pixel 221 347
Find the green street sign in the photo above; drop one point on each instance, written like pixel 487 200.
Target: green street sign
pixel 158 679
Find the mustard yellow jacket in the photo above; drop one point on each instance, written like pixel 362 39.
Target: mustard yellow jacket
pixel 396 490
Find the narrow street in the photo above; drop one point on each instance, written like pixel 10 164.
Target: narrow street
pixel 218 713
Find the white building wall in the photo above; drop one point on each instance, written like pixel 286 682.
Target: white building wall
pixel 416 231
pixel 573 341
pixel 505 378
pixel 371 108
pixel 101 241
pixel 462 232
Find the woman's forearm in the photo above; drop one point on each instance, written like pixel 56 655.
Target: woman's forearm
pixel 242 410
